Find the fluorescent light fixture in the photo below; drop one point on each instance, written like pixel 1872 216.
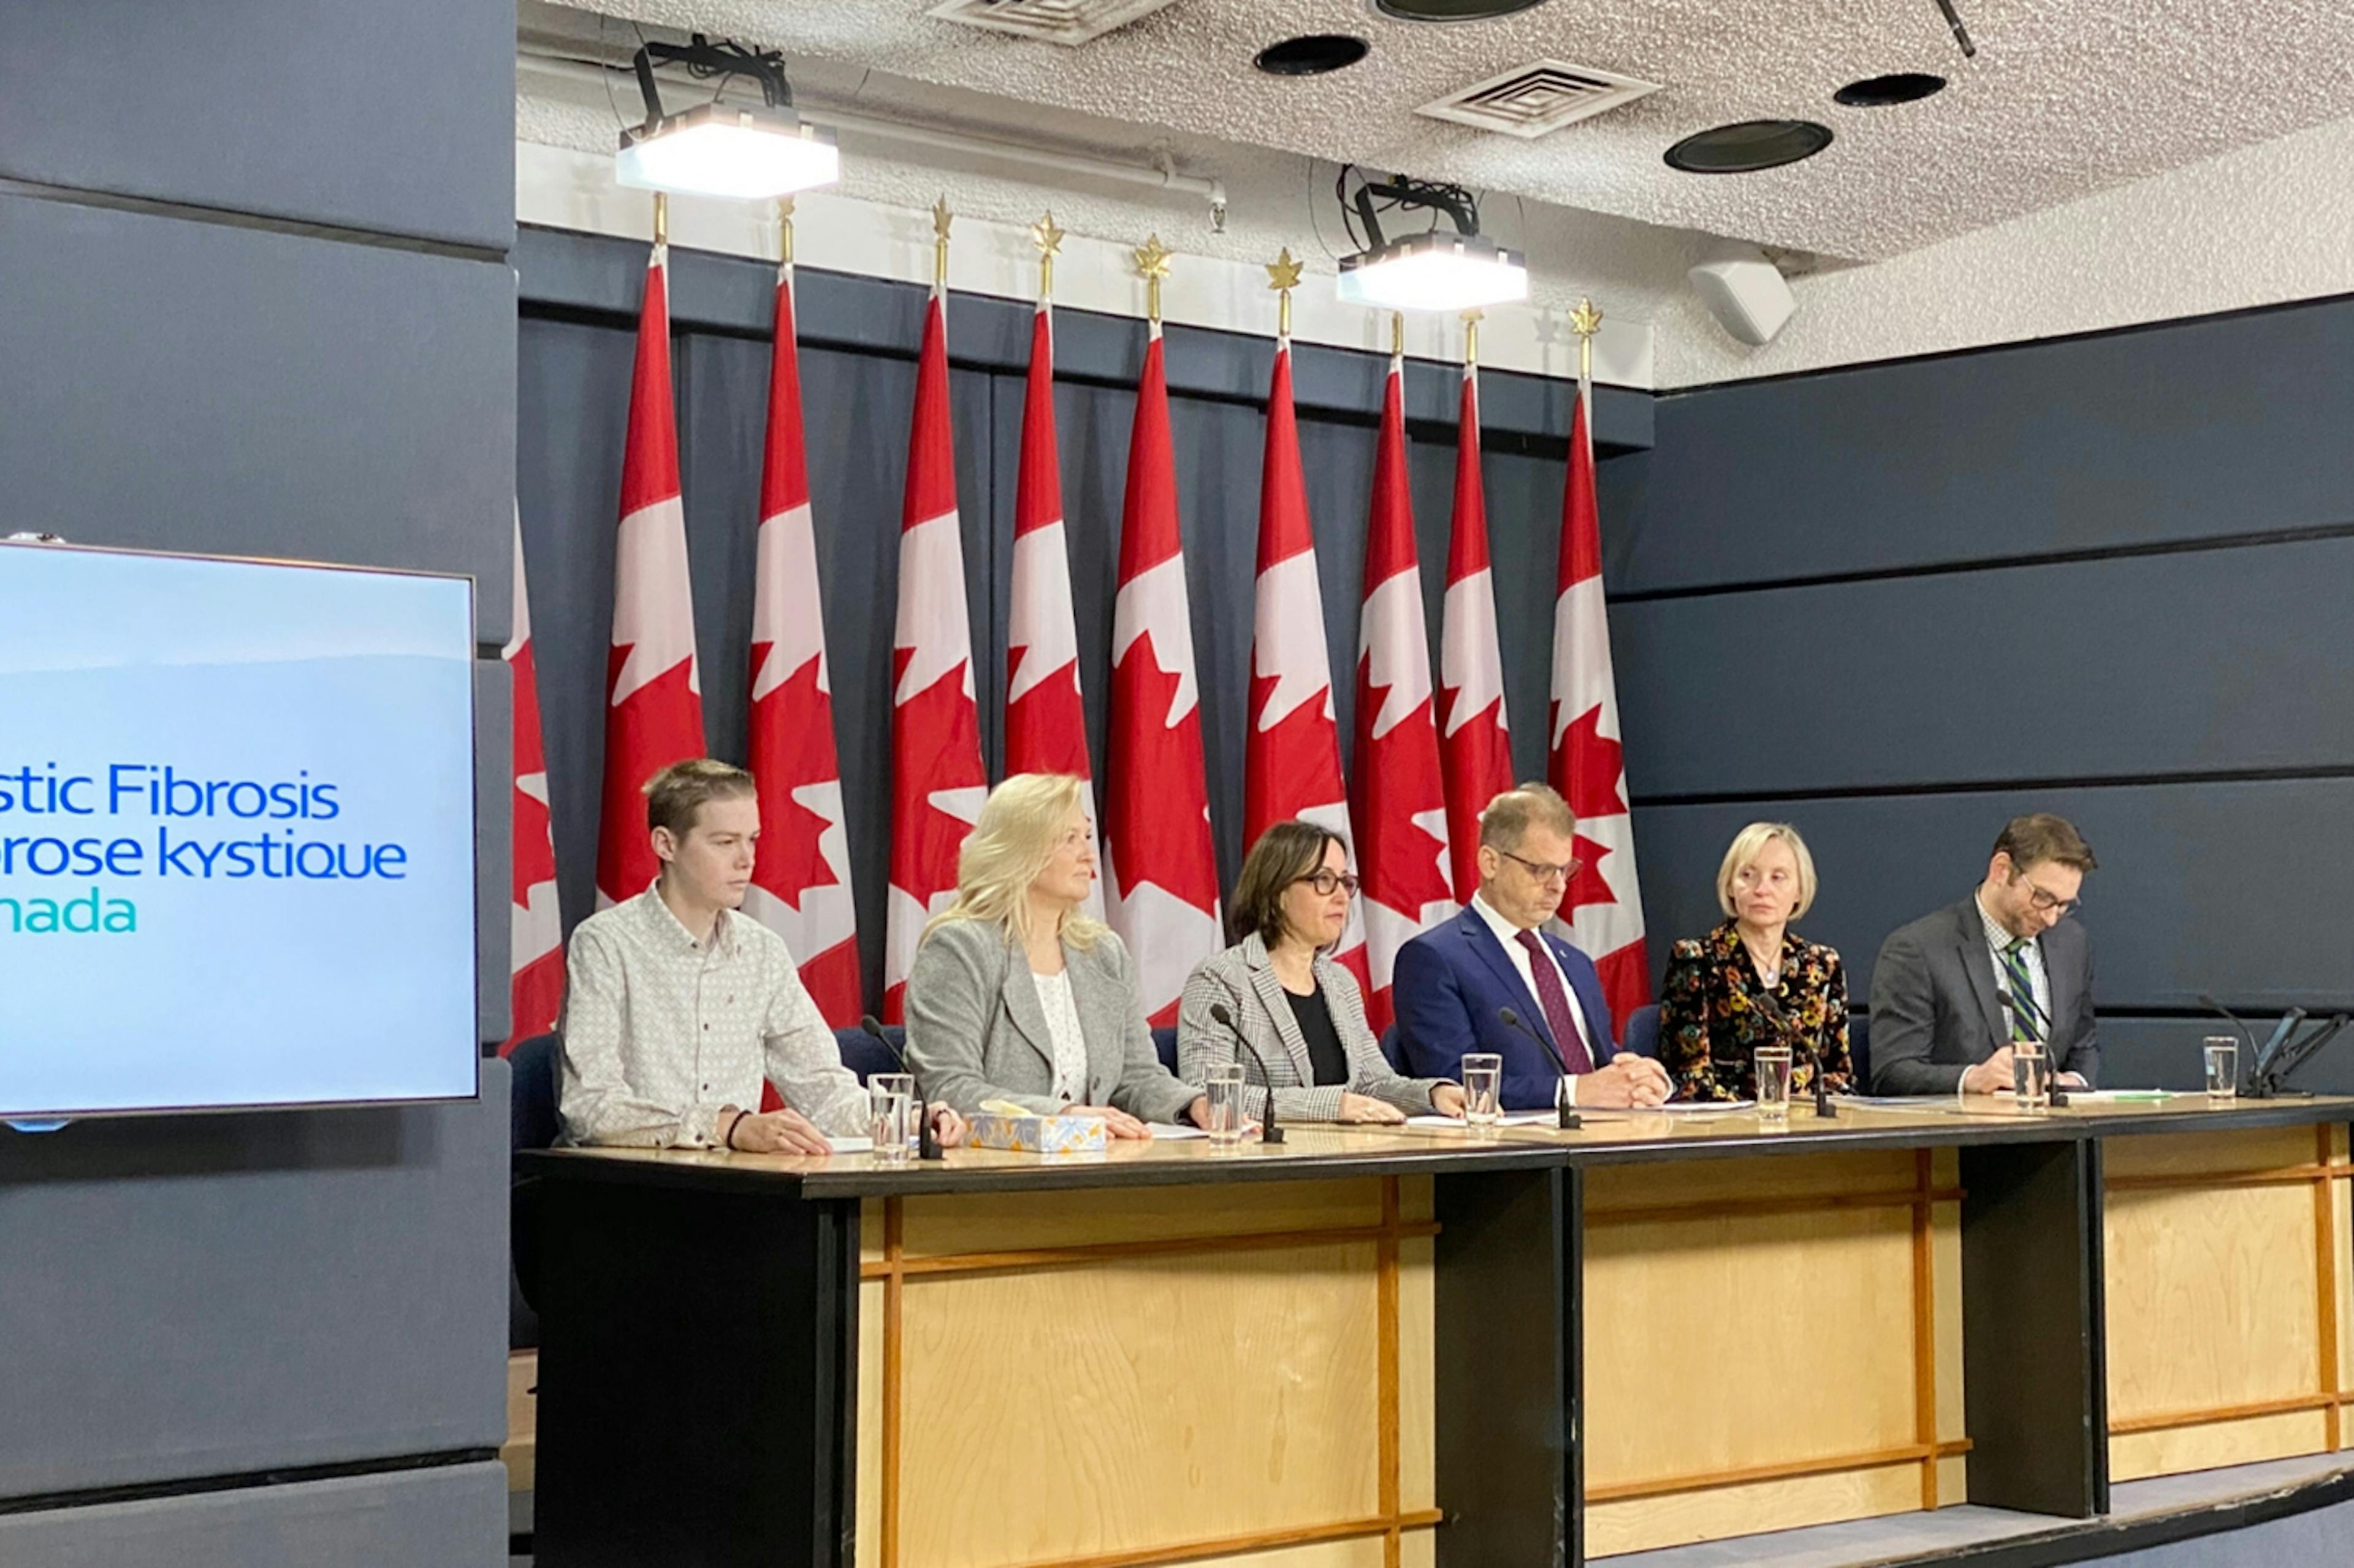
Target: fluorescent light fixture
pixel 1434 271
pixel 728 150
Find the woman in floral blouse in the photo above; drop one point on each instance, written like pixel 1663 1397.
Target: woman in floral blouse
pixel 1710 1022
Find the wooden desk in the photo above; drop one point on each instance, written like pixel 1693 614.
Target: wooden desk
pixel 1311 1357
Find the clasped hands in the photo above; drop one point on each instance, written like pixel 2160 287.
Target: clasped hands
pixel 786 1131
pixel 1995 1073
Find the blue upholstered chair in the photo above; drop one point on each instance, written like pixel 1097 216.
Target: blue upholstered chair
pixel 1641 1034
pixel 531 1124
pixel 1392 1052
pixel 1858 1049
pixel 865 1056
pixel 1164 1040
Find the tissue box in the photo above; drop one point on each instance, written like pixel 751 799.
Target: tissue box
pixel 1040 1134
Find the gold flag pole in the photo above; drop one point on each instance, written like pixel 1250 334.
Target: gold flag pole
pixel 941 218
pixel 1152 264
pixel 1585 320
pixel 785 230
pixel 1283 276
pixel 1048 240
pixel 662 217
pixel 1397 334
pixel 1471 319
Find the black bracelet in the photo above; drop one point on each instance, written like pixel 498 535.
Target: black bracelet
pixel 730 1139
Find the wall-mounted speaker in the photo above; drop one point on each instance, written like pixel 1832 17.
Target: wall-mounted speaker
pixel 1745 292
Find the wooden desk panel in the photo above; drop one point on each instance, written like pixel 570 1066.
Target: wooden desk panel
pixel 2228 1300
pixel 1770 1343
pixel 1071 1379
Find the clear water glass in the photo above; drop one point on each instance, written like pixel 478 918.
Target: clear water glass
pixel 1483 1085
pixel 1773 1064
pixel 2222 1055
pixel 1223 1085
pixel 892 1097
pixel 2030 1077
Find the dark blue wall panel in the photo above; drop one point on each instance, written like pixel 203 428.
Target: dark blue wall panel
pixel 448 1517
pixel 207 1296
pixel 397 119
pixel 2190 430
pixel 190 387
pixel 2143 665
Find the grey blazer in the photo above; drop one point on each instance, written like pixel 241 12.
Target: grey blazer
pixel 1242 978
pixel 976 1029
pixel 1936 1012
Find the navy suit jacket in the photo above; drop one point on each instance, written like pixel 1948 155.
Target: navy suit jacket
pixel 1449 984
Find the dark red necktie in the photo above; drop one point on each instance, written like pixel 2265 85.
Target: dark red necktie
pixel 1555 1001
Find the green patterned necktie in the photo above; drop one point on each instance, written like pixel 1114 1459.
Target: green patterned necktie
pixel 2026 1024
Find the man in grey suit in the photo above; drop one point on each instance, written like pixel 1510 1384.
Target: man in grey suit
pixel 1955 991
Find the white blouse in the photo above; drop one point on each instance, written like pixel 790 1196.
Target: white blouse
pixel 1062 1010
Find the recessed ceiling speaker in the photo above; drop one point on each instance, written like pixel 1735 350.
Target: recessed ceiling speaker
pixel 1885 91
pixel 1748 146
pixel 1312 54
pixel 1450 10
pixel 1745 292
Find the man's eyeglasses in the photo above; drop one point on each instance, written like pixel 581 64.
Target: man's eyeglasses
pixel 2045 903
pixel 1547 874
pixel 1327 883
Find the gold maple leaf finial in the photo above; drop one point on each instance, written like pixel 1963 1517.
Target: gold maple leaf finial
pixel 1283 272
pixel 1045 236
pixel 1152 259
pixel 1585 320
pixel 941 218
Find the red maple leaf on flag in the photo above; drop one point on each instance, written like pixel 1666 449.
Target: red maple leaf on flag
pixel 924 855
pixel 1597 766
pixel 1588 885
pixel 1166 848
pixel 1303 753
pixel 788 847
pixel 1403 863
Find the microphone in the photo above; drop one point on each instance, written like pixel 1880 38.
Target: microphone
pixel 1570 1120
pixel 927 1137
pixel 2296 1054
pixel 2287 1026
pixel 2212 1005
pixel 1269 1131
pixel 1771 1006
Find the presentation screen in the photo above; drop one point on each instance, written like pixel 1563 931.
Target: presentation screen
pixel 237 835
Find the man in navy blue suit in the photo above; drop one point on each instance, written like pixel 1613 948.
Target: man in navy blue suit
pixel 1454 982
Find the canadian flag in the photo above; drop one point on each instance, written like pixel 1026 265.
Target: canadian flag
pixel 1605 906
pixel 937 781
pixel 1400 806
pixel 1160 866
pixel 537 987
pixel 800 880
pixel 1291 766
pixel 1045 727
pixel 653 691
pixel 1474 738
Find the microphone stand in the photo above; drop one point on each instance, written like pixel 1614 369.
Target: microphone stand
pixel 1269 1130
pixel 1771 1006
pixel 927 1137
pixel 1567 1119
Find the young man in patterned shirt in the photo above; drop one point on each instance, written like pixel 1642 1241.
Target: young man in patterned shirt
pixel 678 1006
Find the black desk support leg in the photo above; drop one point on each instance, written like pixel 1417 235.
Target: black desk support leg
pixel 2033 1328
pixel 697 1395
pixel 1507 1368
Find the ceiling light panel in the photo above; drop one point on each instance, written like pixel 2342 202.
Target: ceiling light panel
pixel 1538 99
pixel 1066 22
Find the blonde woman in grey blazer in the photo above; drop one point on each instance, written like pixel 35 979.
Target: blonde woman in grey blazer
pixel 1302 1014
pixel 1015 995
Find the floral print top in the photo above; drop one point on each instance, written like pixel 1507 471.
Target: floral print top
pixel 1710 1021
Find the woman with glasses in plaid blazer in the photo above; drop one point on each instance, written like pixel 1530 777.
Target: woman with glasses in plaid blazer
pixel 1302 1014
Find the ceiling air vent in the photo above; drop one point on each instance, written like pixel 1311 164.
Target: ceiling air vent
pixel 1537 98
pixel 1066 22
